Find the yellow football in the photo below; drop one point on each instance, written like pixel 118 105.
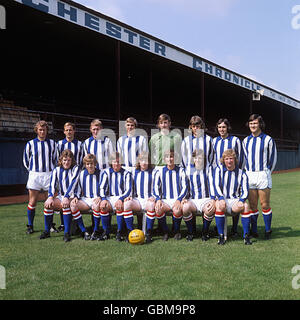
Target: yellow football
pixel 136 236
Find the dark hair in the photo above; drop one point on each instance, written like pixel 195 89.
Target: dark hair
pixel 226 121
pixel 261 122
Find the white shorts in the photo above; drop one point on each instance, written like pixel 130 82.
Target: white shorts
pixel 169 202
pixel 142 202
pixel 260 179
pixel 112 200
pixel 38 181
pixel 200 203
pixel 229 204
pixel 88 201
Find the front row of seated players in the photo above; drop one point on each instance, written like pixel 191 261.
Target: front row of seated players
pixel 63 181
pixel 154 191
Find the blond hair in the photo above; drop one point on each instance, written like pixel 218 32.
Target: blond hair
pixel 41 123
pixel 228 153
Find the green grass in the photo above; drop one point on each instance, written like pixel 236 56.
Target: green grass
pixel 87 270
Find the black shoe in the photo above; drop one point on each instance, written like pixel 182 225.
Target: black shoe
pixel 221 240
pixel 53 229
pixel 233 234
pixel 104 236
pixel 253 234
pixel 189 237
pixel 86 235
pixel 177 236
pixel 166 237
pixel 119 236
pixel 67 237
pixel 95 236
pixel 44 235
pixel 247 240
pixel 268 235
pixel 29 229
pixel 61 228
pixel 205 236
pixel 148 238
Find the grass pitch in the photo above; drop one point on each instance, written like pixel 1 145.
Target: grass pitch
pixel 179 270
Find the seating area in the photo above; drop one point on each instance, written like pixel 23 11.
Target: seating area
pixel 18 119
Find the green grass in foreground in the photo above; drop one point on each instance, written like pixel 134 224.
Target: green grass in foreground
pixel 52 269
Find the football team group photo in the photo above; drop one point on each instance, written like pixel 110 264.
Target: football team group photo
pixel 195 179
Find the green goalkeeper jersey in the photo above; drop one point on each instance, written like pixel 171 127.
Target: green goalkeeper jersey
pixel 160 143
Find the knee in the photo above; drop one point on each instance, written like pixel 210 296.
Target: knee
pixel 127 205
pixel 265 206
pixel 220 206
pixel 186 209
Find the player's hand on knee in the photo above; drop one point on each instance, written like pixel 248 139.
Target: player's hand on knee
pixel 49 203
pixel 65 203
pixel 119 205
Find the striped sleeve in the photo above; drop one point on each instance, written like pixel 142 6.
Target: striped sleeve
pixel 104 185
pixel 272 152
pixel 128 186
pixel 74 181
pixel 157 185
pixel 184 187
pixel 217 184
pixel 244 187
pixel 27 155
pixel 210 183
pixel 53 183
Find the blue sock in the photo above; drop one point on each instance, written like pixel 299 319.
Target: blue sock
pixel 149 223
pixel 163 223
pixel 206 224
pixel 48 219
pixel 189 225
pixel 150 219
pixel 267 215
pixel 62 220
pixel 30 214
pixel 176 224
pixel 96 223
pixel 67 222
pixel 120 221
pixel 253 221
pixel 220 222
pixel 105 219
pixel 246 224
pixel 81 224
pixel 235 222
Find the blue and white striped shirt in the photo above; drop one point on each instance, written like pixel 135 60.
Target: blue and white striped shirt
pixel 75 146
pixel 230 184
pixel 143 183
pixel 231 142
pixel 192 143
pixel 40 156
pixel 64 181
pixel 200 183
pixel 88 185
pixel 130 147
pixel 116 184
pixel 101 148
pixel 170 184
pixel 260 152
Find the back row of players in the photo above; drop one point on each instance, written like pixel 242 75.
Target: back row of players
pixel 215 177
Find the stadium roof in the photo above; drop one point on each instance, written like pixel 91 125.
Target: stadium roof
pixel 104 25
